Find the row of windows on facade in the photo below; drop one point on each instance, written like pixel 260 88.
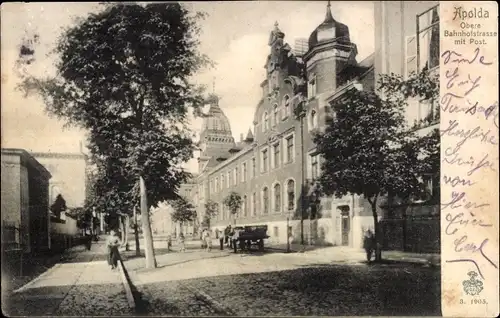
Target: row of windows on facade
pixel 274 203
pixel 285 111
pixel 233 177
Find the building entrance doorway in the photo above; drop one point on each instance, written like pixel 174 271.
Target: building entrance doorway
pixel 345 224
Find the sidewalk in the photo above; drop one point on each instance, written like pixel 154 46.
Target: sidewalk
pixel 174 257
pixel 82 286
pixel 353 254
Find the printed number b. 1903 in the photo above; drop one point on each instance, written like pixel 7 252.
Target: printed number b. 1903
pixel 474 302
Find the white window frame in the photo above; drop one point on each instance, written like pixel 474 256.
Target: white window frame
pixel 285 192
pixel 264 167
pixel 254 204
pixel 285 148
pixel 285 107
pixel 254 167
pixel 262 200
pixel 410 57
pixel 273 200
pixel 273 155
pixel 276 112
pixel 312 86
pixel 243 171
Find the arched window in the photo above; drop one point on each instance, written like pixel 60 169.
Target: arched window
pixel 275 115
pixel 244 206
pixel 266 121
pixel 290 193
pixel 286 106
pixel 277 197
pixel 265 200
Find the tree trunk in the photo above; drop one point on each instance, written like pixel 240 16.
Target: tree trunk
pixel 146 228
pixel 136 234
pixel 378 250
pixel 127 230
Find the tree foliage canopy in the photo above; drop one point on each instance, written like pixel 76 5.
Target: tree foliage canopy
pixel 233 201
pixel 58 206
pixel 123 74
pixel 368 148
pixel 183 210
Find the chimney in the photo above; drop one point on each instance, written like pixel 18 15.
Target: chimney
pixel 241 137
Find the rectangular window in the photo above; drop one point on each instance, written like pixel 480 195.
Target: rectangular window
pixel 222 181
pixel 228 179
pixel 216 184
pixel 254 204
pixel 243 172
pixel 428 39
pixel 289 149
pixel 276 231
pixel 276 155
pixel 236 175
pixel 264 161
pixel 311 87
pixel 411 55
pixel 254 168
pixel 314 167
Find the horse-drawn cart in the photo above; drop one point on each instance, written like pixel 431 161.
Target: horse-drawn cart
pixel 249 236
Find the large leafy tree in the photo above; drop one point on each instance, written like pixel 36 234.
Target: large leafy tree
pixel 369 150
pixel 233 201
pixel 183 211
pixel 211 209
pixel 123 74
pixel 58 206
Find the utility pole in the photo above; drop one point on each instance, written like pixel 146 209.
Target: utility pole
pixel 303 178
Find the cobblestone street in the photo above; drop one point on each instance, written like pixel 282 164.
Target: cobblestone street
pixel 287 284
pixel 81 285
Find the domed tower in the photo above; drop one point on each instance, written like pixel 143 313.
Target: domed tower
pixel 330 51
pixel 216 138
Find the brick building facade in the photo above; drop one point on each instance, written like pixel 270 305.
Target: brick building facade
pixel 266 167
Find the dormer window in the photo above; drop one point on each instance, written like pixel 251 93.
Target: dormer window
pixel 275 115
pixel 286 106
pixel 311 86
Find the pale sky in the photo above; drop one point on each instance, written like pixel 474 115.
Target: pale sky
pixel 235 36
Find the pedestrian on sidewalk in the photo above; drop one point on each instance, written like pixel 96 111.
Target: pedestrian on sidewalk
pixel 113 242
pixel 221 240
pixel 169 243
pixel 369 244
pixel 207 239
pixel 182 243
pixel 88 241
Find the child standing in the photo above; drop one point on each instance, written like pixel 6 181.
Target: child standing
pixel 169 243
pixel 182 243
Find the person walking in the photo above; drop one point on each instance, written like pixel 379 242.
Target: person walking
pixel 369 244
pixel 207 239
pixel 112 242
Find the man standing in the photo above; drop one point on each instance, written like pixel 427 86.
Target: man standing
pixel 221 239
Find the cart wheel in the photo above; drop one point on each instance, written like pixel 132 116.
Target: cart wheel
pixel 261 245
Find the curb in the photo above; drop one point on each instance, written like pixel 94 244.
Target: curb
pixel 207 298
pixel 36 279
pixel 126 284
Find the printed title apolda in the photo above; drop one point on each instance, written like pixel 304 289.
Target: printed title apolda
pixel 474 13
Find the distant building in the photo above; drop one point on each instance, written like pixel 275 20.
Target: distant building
pixel 25 202
pixel 69 176
pixel 265 166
